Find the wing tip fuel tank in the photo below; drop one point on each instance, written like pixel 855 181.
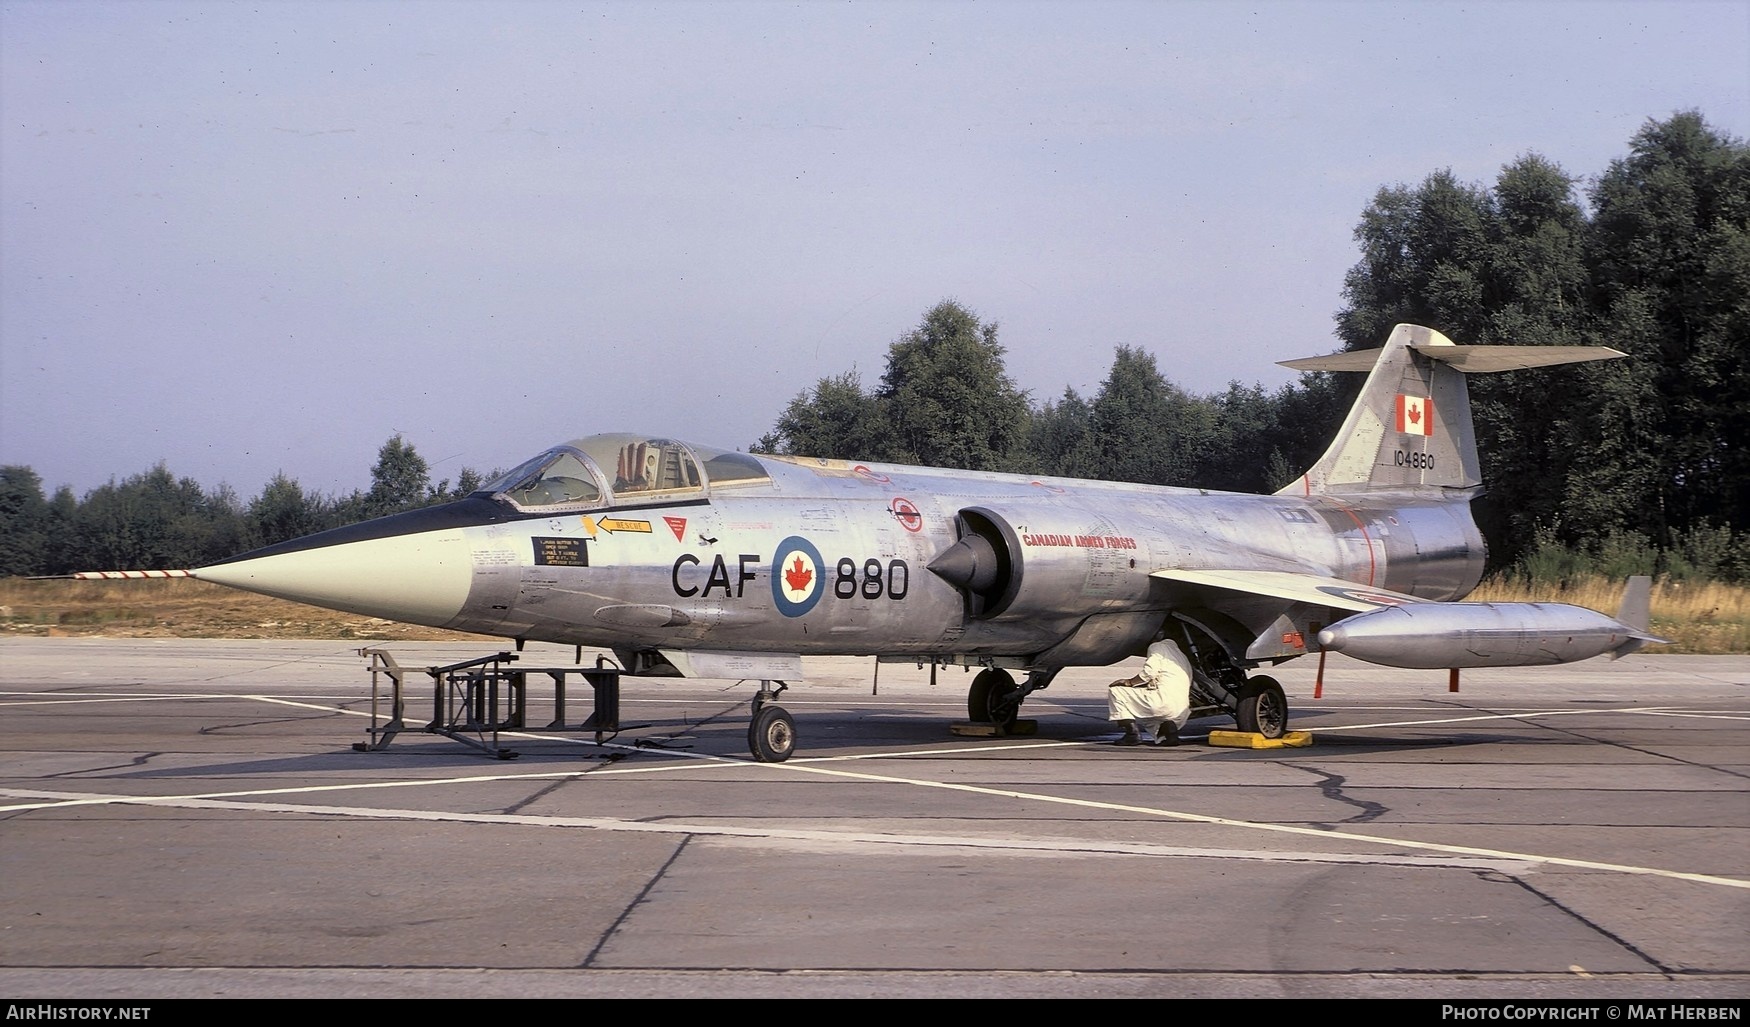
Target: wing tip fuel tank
pixel 1434 636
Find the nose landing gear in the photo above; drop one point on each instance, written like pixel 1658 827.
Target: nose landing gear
pixel 771 734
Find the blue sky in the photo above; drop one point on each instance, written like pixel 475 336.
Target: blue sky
pixel 244 239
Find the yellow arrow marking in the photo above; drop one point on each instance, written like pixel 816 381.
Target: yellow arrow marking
pixel 613 524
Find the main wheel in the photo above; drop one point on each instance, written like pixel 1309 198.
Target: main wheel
pixel 1263 708
pixel 771 735
pixel 987 700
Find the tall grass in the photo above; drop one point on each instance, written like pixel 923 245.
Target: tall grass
pixel 1699 617
pixel 181 608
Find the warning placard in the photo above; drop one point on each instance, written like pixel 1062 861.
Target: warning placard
pixel 561 552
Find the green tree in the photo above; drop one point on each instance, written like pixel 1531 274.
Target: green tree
pixel 154 521
pixel 1146 429
pixel 1670 250
pixel 468 481
pixel 62 557
pixel 24 523
pixel 401 480
pixel 1060 440
pixel 1587 456
pixel 285 511
pixel 834 420
pixel 1243 450
pixel 947 399
pixel 1308 416
pixel 1423 251
pixel 1501 265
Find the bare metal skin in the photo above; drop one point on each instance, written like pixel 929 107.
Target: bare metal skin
pixel 686 559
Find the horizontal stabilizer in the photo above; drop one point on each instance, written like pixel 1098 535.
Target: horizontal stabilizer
pixel 1469 359
pixel 1295 587
pixel 1410 427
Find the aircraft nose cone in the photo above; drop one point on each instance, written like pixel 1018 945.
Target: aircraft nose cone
pixel 420 578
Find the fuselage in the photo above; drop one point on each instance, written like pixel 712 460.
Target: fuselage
pixel 640 543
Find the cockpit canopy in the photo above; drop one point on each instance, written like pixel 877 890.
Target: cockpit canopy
pixel 616 470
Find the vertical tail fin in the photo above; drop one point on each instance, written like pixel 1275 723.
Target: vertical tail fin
pixel 1636 614
pixel 1410 429
pixel 1637 603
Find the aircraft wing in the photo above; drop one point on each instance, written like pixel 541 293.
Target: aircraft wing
pixel 1312 589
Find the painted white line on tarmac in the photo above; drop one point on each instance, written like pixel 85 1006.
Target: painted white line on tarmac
pixel 231 800
pixel 1064 846
pixel 818 766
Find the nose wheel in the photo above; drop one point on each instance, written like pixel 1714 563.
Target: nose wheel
pixel 771 735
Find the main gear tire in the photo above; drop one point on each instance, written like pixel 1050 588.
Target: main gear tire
pixel 987 700
pixel 1263 708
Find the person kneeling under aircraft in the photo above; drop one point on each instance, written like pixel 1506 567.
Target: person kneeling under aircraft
pixel 1157 699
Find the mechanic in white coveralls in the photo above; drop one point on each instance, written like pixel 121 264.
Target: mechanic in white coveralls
pixel 1157 699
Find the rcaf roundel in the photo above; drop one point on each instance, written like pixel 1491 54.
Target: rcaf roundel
pixel 796 584
pixel 1415 415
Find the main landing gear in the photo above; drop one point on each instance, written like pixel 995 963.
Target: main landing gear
pixel 994 698
pixel 1262 708
pixel 1256 703
pixel 771 735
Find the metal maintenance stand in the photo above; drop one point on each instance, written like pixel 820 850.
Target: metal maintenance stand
pixel 474 700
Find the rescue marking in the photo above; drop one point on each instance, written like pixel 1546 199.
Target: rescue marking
pixel 613 524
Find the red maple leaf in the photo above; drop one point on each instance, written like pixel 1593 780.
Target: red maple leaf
pixel 798 577
pixel 1415 415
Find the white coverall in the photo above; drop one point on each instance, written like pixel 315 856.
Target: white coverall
pixel 1161 692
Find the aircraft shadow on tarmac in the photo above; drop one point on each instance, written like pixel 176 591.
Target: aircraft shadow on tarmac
pixel 828 733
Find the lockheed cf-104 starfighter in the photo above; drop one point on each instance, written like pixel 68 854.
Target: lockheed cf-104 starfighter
pixel 687 559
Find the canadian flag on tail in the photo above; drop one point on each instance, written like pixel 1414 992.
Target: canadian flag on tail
pixel 1415 415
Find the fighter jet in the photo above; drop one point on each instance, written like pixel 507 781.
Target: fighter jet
pixel 692 560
